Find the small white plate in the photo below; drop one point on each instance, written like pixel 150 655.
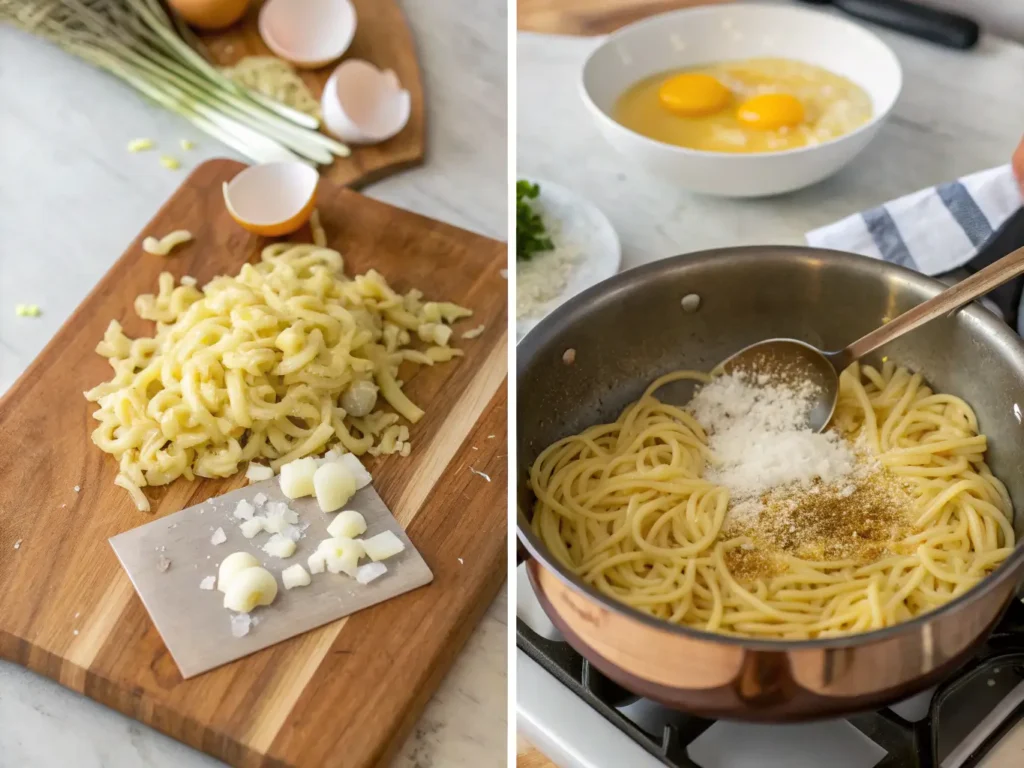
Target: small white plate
pixel 577 224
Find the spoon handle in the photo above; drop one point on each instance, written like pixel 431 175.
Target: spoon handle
pixel 951 299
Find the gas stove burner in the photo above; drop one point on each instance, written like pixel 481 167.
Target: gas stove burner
pixel 954 726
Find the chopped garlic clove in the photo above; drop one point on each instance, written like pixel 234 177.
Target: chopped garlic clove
pixel 240 624
pixel 367 573
pixel 295 576
pixel 254 473
pixel 208 583
pixel 249 588
pixel 347 564
pixel 219 537
pixel 360 398
pixel 383 545
pixel 355 466
pixel 279 546
pixel 244 510
pixel 347 525
pixel 337 544
pixel 254 526
pixel 334 486
pixel 317 562
pixel 297 478
pixel 259 499
pixel 232 565
pixel 280 517
pixel 342 555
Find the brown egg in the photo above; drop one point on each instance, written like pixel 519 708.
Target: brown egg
pixel 210 14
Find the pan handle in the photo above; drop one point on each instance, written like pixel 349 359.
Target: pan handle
pixel 942 27
pixel 522 553
pixel 1008 237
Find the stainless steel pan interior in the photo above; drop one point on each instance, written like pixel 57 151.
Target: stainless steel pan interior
pixel 633 328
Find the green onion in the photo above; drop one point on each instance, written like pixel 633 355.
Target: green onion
pixel 137 41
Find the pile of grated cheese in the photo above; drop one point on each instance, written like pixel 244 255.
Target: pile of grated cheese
pixel 757 430
pixel 543 278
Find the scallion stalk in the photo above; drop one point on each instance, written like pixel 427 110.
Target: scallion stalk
pixel 138 42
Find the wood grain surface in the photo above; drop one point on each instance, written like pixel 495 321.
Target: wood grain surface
pixel 344 694
pixel 382 38
pixel 194 624
pixel 591 17
pixel 528 756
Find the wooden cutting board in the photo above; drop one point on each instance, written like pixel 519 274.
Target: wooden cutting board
pixel 382 38
pixel 527 756
pixel 591 17
pixel 344 694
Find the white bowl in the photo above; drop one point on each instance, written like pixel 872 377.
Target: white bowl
pixel 696 36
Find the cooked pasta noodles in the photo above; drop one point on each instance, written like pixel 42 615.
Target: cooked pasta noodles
pixel 278 362
pixel 164 245
pixel 624 506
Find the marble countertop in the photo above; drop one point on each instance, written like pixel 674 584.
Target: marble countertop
pixel 71 198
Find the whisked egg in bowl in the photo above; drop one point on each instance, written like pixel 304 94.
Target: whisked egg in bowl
pixel 757 105
pixel 741 100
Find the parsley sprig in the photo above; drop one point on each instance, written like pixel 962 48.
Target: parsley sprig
pixel 531 236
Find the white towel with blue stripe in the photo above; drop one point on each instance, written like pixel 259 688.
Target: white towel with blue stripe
pixel 933 230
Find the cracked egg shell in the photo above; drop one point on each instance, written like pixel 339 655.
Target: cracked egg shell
pixel 364 105
pixel 272 199
pixel 308 33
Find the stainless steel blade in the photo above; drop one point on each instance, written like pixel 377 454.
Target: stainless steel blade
pixel 193 622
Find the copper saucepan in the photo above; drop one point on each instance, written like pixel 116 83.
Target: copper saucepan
pixel 632 328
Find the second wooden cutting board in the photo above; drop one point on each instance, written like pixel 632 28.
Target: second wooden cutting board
pixel 592 17
pixel 341 695
pixel 382 38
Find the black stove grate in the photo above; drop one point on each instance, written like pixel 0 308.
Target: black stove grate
pixel 957 709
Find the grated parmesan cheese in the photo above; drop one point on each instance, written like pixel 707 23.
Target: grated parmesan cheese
pixel 758 433
pixel 543 278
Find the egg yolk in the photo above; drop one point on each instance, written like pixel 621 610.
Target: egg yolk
pixel 771 111
pixel 693 94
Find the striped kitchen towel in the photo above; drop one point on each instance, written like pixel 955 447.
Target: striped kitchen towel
pixel 933 230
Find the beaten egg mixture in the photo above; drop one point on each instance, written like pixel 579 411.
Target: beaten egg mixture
pixel 756 105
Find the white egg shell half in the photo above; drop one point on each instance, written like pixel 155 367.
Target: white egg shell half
pixel 308 33
pixel 364 105
pixel 271 193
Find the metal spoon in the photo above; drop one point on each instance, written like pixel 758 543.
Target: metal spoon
pixel 801 361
